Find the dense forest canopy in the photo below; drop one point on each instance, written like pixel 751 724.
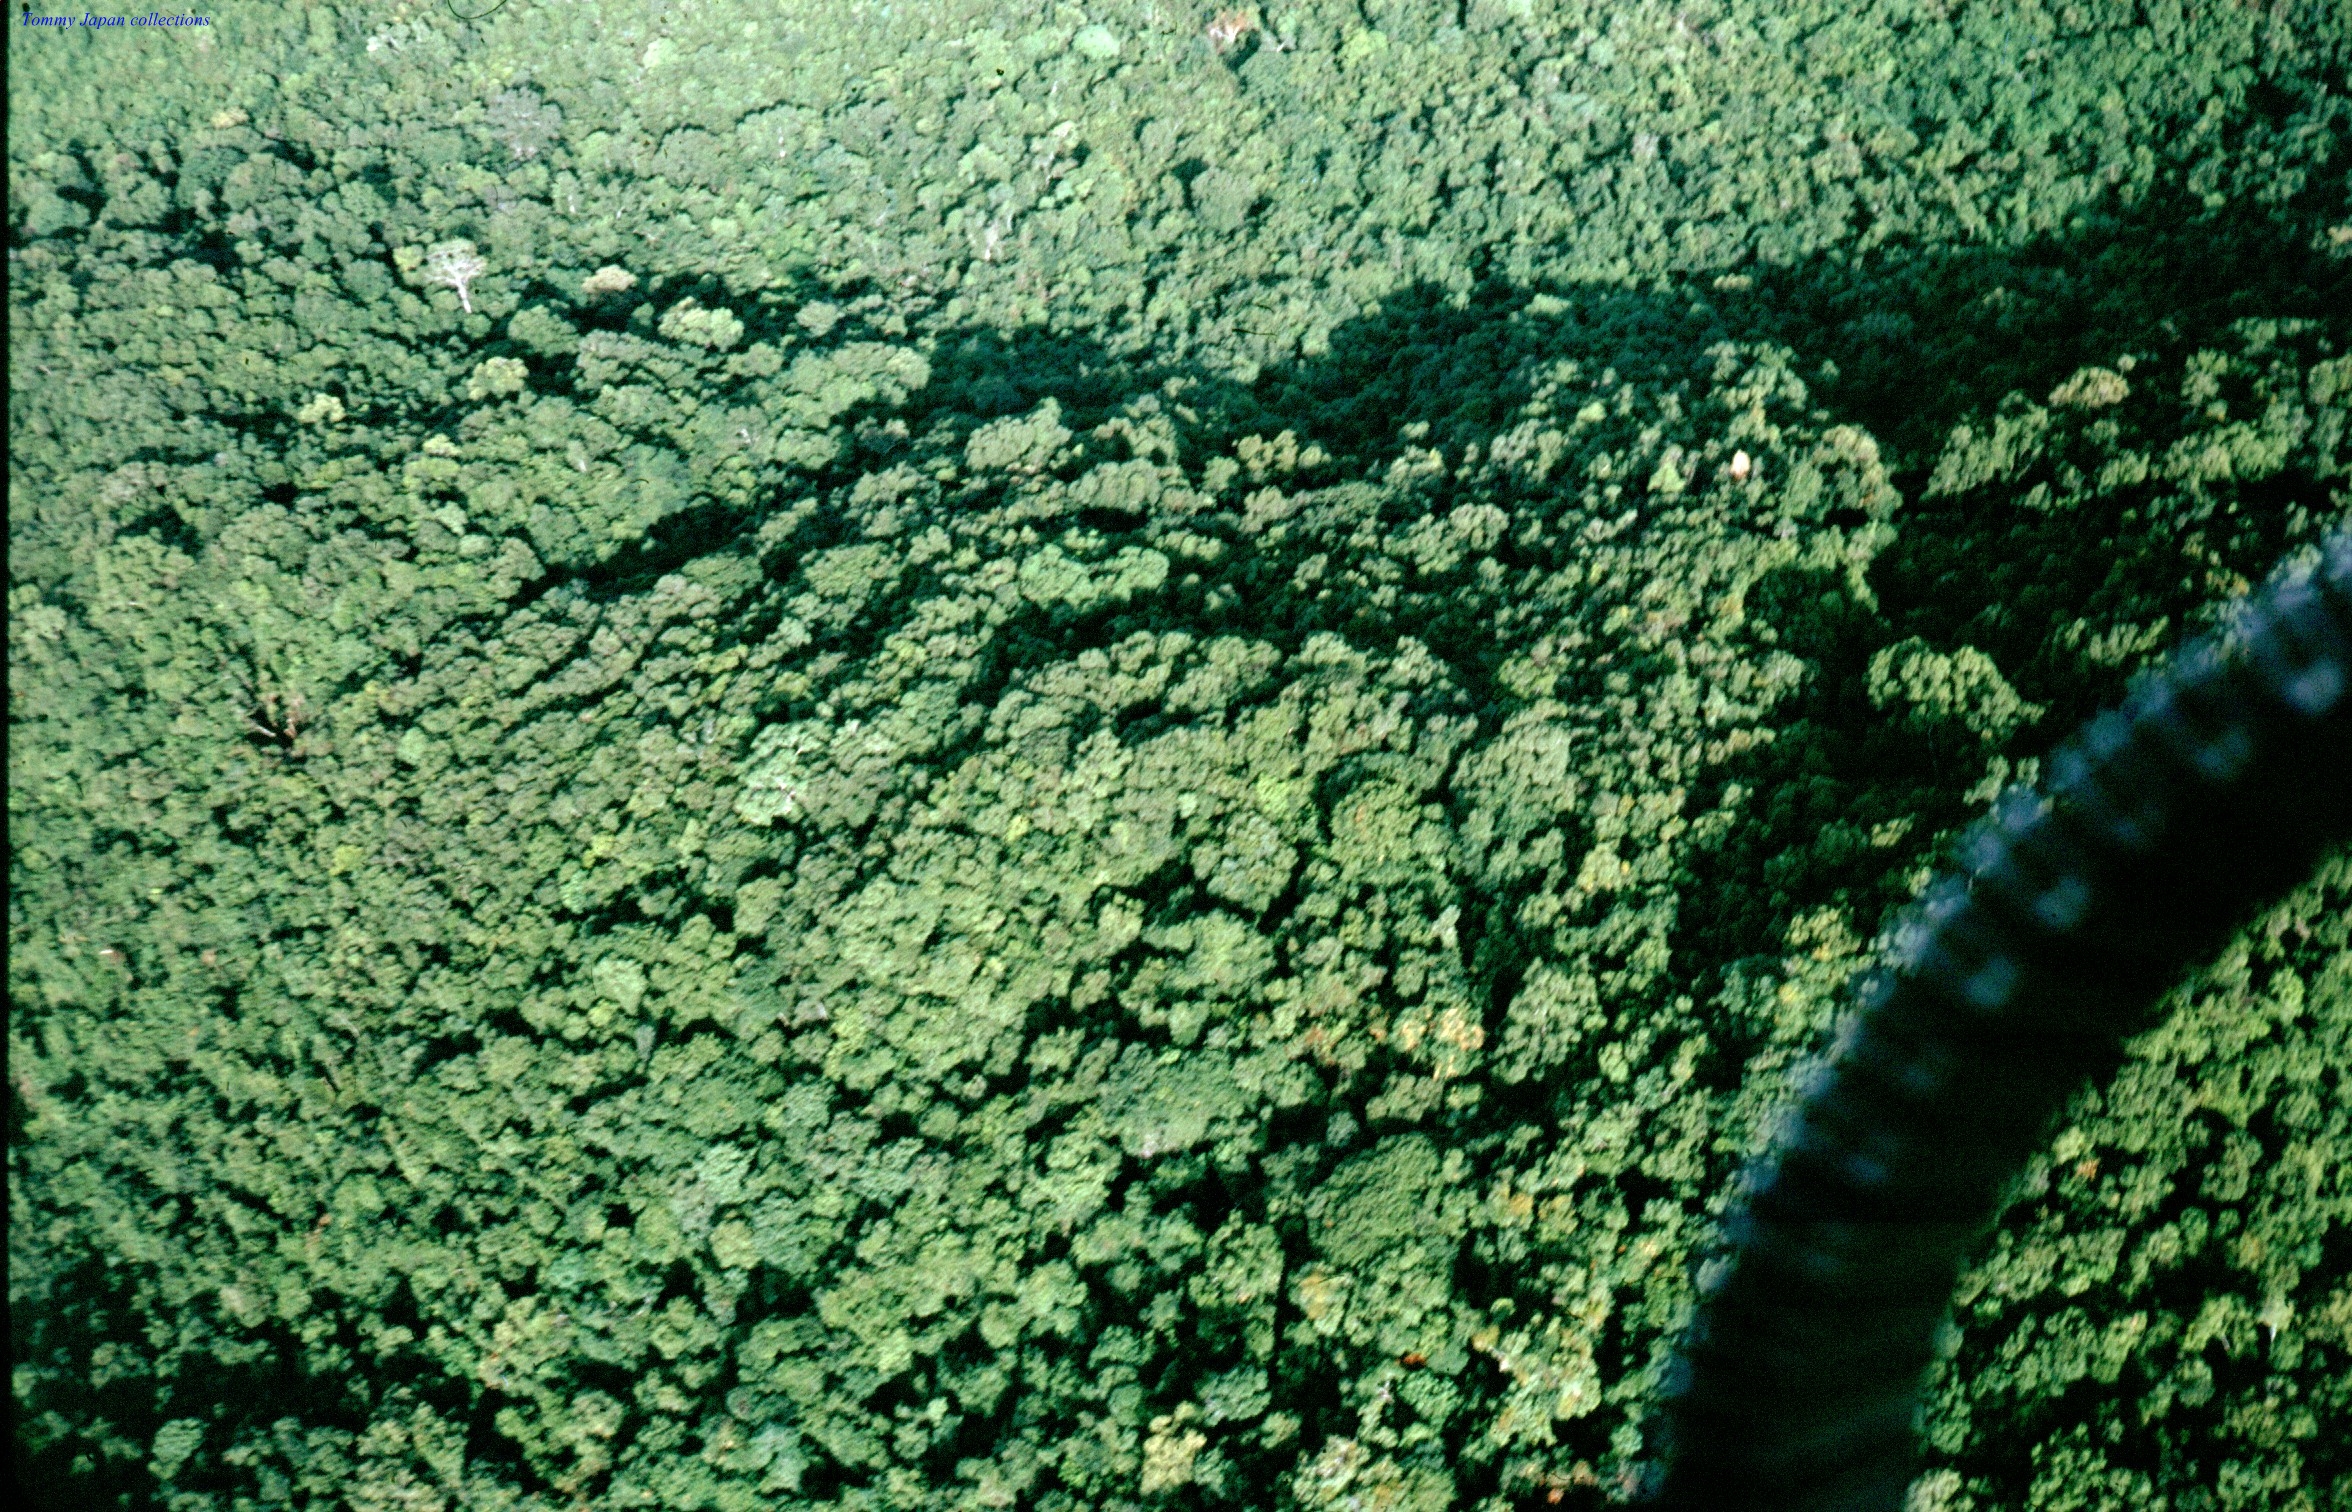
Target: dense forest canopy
pixel 1027 755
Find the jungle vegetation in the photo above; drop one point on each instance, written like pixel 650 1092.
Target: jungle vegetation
pixel 978 755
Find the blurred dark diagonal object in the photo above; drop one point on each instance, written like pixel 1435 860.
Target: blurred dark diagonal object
pixel 2218 784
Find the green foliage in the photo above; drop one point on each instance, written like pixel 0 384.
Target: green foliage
pixel 889 756
pixel 2176 1257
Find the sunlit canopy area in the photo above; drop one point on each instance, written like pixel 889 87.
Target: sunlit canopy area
pixel 796 753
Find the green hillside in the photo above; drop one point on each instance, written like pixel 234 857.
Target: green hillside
pixel 952 755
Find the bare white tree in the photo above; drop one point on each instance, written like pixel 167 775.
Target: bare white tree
pixel 455 265
pixel 523 121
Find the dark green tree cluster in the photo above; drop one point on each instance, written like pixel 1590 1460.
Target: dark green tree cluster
pixel 822 757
